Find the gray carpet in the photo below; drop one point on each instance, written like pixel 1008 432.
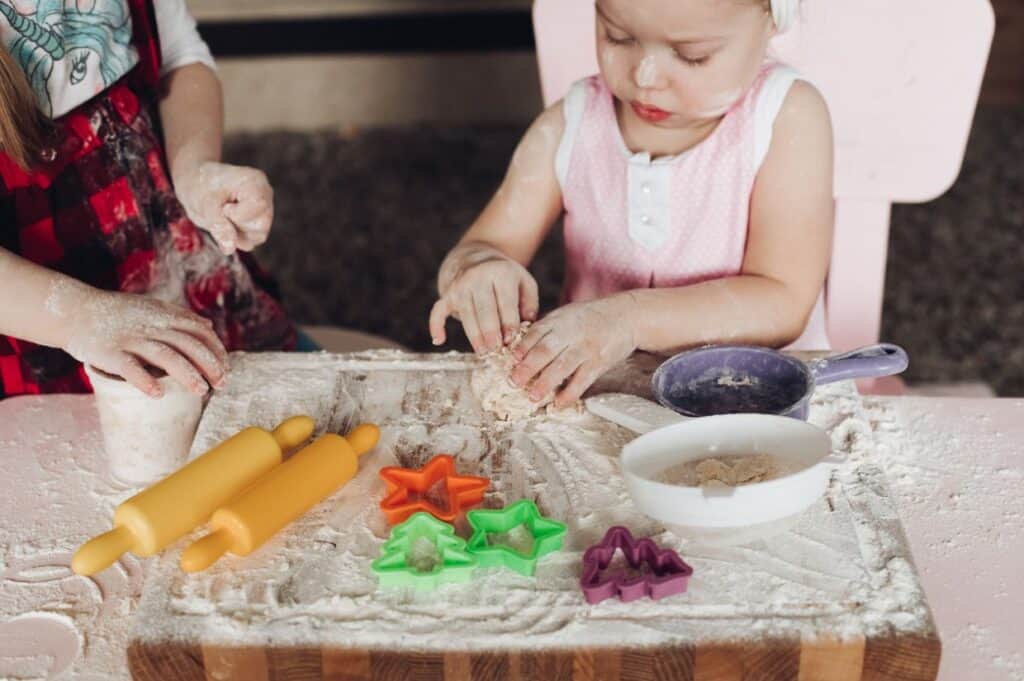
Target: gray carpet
pixel 363 223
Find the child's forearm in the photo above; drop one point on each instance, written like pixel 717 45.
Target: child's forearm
pixel 745 309
pixel 519 216
pixel 192 113
pixel 33 301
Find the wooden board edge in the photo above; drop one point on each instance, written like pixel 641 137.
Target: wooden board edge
pixel 913 657
pixel 163 661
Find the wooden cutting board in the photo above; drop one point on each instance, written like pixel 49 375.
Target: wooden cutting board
pixel 833 598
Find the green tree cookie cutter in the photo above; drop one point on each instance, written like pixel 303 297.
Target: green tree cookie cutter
pixel 396 566
pixel 547 536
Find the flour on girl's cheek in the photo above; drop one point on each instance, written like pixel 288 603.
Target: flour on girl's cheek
pixel 608 59
pixel 721 104
pixel 647 72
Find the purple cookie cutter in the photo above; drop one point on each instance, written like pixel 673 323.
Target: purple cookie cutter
pixel 667 575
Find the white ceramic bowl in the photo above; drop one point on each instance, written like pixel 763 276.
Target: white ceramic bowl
pixel 794 444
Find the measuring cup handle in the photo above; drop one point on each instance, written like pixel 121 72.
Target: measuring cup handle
pixel 873 361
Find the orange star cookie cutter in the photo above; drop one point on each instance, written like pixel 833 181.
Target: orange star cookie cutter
pixel 408 490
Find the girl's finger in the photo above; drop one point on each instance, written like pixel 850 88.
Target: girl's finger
pixel 202 328
pixel 539 357
pixel 170 360
pixel 196 352
pixel 244 241
pixel 584 377
pixel 438 316
pixel 529 299
pixel 225 235
pixel 467 315
pixel 508 311
pixel 247 211
pixel 253 186
pixel 555 374
pixel 129 368
pixel 534 335
pixel 252 221
pixel 485 305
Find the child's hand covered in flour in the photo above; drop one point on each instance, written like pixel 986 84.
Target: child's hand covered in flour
pixel 490 293
pixel 573 346
pixel 235 204
pixel 120 333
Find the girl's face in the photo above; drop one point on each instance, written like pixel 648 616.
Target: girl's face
pixel 679 63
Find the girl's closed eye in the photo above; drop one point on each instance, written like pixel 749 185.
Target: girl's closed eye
pixel 692 59
pixel 614 39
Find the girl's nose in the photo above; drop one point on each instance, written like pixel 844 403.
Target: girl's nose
pixel 649 75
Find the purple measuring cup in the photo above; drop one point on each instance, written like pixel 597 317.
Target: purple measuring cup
pixel 732 379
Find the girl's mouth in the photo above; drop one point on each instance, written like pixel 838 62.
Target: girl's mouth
pixel 651 114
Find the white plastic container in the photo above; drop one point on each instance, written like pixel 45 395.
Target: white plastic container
pixel 145 438
pixel 732 514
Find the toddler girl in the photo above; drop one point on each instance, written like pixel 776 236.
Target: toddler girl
pixel 695 180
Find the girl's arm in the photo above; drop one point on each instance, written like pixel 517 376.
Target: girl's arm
pixel 788 249
pixel 233 203
pixel 483 281
pixel 115 332
pixel 192 113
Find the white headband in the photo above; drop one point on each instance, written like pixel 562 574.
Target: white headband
pixel 784 12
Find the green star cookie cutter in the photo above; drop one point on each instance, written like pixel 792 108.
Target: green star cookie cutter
pixel 444 558
pixel 547 536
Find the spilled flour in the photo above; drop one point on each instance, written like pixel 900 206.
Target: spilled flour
pixel 518 539
pixel 843 570
pixel 423 555
pixel 55 624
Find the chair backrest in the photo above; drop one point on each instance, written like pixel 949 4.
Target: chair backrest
pixel 902 79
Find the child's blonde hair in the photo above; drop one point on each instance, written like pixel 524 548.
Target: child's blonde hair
pixel 21 122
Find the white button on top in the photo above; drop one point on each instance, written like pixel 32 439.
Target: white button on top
pixel 649 187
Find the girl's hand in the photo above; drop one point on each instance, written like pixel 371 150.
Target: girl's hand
pixel 490 293
pixel 574 346
pixel 235 204
pixel 120 333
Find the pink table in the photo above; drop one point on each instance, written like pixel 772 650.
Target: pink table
pixel 956 470
pixel 956 467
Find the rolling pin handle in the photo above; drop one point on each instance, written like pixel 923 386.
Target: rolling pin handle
pixel 101 551
pixel 293 432
pixel 206 551
pixel 363 438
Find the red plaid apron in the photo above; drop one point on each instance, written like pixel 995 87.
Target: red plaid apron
pixel 100 208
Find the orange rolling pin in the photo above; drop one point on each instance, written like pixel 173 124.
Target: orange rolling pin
pixel 182 501
pixel 281 496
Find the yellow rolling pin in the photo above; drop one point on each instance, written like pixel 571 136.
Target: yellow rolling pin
pixel 281 496
pixel 182 501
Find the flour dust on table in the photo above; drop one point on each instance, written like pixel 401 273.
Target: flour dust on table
pixel 54 623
